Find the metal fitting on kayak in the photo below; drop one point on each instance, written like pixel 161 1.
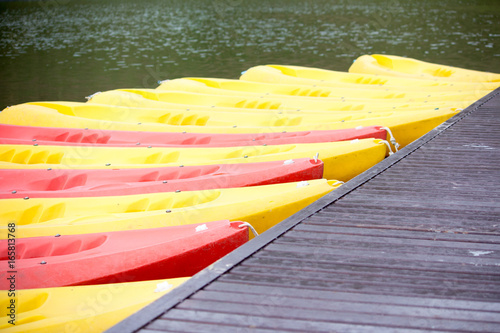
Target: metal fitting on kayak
pixel 252 229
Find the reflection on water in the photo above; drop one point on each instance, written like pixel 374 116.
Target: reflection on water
pixel 67 49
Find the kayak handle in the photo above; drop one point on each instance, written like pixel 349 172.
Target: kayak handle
pixel 392 139
pixel 246 224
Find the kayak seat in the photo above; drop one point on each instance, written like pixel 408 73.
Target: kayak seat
pixel 253 104
pixel 440 72
pixel 305 92
pixel 61 182
pixel 24 305
pixel 179 119
pixel 197 141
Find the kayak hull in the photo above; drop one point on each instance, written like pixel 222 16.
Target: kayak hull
pixel 261 206
pixel 412 124
pixel 293 92
pixel 342 160
pixel 41 183
pixel 249 103
pixel 17 134
pixel 316 76
pixel 415 69
pixel 91 309
pixel 125 256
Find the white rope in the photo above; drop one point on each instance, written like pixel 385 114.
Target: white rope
pixel 246 224
pixel 338 182
pixel 392 139
pixel 388 146
pixel 316 158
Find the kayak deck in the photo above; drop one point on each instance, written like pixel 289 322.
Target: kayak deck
pixel 427 261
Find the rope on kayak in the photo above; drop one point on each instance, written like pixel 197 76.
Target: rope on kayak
pixel 388 146
pixel 392 139
pixel 246 224
pixel 338 182
pixel 316 158
pixel 88 98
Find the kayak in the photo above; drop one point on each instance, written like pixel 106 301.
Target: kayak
pixel 91 309
pixel 342 160
pixel 261 206
pixel 126 256
pixel 254 102
pixel 167 119
pixel 405 126
pixel 346 95
pixel 411 68
pixel 323 77
pixel 16 134
pixel 41 183
pixel 145 99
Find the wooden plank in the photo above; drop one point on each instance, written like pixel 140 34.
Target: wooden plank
pixel 249 321
pixel 268 293
pixel 319 316
pixel 344 284
pixel 285 301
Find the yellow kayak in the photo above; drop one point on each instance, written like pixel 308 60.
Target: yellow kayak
pixel 411 68
pixel 79 309
pixel 299 103
pixel 246 88
pixel 144 99
pixel 342 160
pixel 316 76
pixel 406 126
pixel 182 118
pixel 261 206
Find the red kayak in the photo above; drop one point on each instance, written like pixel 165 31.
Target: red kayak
pixel 121 256
pixel 43 183
pixel 13 134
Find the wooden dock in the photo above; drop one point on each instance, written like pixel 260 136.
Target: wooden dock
pixel 411 245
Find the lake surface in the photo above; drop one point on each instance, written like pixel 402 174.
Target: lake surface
pixel 68 49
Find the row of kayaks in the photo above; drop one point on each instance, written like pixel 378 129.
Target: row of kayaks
pixel 116 201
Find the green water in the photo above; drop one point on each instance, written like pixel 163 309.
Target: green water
pixel 68 49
